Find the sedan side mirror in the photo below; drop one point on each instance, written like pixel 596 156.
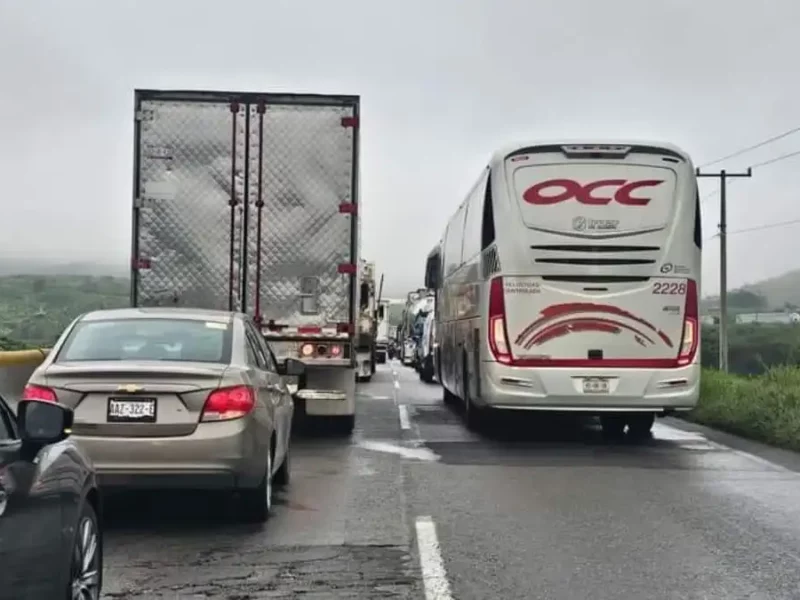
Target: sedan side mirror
pixel 292 367
pixel 43 423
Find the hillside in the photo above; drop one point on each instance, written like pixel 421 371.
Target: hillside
pixel 35 309
pixel 778 293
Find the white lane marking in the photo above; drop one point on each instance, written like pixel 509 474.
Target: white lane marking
pixel 405 422
pixel 424 454
pixel 434 575
pixel 692 440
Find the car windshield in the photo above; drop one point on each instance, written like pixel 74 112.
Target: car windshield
pixel 188 340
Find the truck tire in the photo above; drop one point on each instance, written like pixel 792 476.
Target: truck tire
pixel 426 372
pixel 343 425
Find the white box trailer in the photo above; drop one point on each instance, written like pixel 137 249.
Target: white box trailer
pixel 248 202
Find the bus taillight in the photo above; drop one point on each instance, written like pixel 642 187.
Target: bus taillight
pixel 498 340
pixel 690 325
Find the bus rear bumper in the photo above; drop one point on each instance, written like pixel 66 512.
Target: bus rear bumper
pixel 562 389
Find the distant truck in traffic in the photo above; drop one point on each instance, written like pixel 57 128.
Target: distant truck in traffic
pixel 370 314
pixel 418 304
pixel 382 333
pixel 248 202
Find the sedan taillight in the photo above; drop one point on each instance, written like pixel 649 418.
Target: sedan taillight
pixel 39 392
pixel 229 403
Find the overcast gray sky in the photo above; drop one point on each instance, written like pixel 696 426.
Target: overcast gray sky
pixel 443 83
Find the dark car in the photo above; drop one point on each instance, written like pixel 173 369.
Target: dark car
pixel 50 534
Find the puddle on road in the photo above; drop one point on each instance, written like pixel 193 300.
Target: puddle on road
pixel 423 454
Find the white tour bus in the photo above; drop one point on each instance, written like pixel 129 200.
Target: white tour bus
pixel 568 280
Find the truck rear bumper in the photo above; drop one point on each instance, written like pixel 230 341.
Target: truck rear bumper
pixel 328 391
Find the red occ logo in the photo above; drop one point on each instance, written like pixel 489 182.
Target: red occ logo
pixel 620 191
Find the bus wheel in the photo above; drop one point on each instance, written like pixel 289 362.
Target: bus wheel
pixel 613 426
pixel 641 424
pixel 449 398
pixel 474 416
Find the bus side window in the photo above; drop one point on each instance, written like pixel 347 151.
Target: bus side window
pixel 487 230
pixel 698 227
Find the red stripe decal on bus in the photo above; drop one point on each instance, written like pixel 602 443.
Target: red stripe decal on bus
pixel 584 324
pixel 555 311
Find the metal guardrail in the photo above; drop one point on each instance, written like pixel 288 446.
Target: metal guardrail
pixel 16 367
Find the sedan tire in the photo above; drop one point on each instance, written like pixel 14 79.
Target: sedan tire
pixel 86 562
pixel 256 504
pixel 283 474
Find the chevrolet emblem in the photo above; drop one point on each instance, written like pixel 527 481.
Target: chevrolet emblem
pixel 131 388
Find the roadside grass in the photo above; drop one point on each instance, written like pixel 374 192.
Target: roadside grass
pixel 764 407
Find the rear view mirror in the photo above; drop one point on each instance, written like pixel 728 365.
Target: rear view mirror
pixel 292 367
pixel 42 423
pixel 433 270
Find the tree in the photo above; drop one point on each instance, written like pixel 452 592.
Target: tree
pixel 745 299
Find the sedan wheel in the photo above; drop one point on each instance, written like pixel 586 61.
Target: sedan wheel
pixel 257 503
pixel 86 565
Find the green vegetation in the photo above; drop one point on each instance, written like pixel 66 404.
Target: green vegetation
pixel 760 398
pixel 35 309
pixel 765 408
pixel 753 348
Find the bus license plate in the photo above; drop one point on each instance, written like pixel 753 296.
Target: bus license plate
pixel 595 385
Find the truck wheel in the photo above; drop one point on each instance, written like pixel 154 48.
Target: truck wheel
pixel 426 373
pixel 343 425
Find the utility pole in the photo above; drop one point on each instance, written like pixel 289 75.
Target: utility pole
pixel 723 177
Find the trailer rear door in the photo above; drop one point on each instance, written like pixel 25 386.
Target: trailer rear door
pixel 247 202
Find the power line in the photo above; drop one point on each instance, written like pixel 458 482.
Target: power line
pixel 777 159
pixel 764 163
pixel 758 228
pixel 770 140
pixel 765 226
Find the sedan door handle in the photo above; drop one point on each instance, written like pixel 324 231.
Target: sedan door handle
pixel 274 387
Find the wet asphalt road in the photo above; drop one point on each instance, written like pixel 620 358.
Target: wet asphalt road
pixel 536 509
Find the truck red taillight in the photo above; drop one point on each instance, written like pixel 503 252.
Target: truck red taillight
pixel 498 339
pixel 38 392
pixel 690 325
pixel 229 403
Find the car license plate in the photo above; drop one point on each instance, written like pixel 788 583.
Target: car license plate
pixel 595 385
pixel 131 410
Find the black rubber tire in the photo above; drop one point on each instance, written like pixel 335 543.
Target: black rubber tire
pixel 283 475
pixel 255 505
pixel 474 416
pixel 87 512
pixel 613 426
pixel 343 425
pixel 640 425
pixel 426 373
pixel 448 398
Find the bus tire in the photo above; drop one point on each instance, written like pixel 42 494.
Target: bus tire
pixel 448 397
pixel 474 416
pixel 640 425
pixel 613 426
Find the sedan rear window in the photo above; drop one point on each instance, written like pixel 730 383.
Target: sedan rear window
pixel 186 340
